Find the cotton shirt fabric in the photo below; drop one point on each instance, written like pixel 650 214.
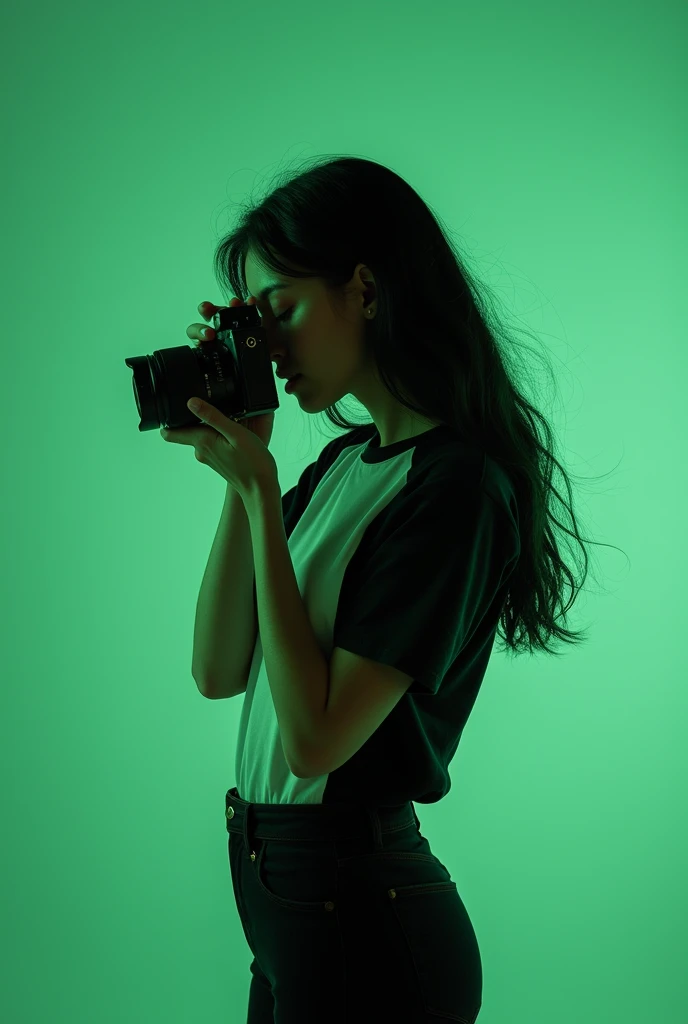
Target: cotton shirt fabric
pixel 402 554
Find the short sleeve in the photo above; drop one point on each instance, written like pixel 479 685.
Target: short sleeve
pixel 420 585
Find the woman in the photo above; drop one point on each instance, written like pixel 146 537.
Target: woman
pixel 413 537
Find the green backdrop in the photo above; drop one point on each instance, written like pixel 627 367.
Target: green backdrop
pixel 553 141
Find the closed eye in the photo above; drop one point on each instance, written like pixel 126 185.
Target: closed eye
pixel 286 314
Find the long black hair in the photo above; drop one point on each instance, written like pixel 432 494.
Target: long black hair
pixel 436 337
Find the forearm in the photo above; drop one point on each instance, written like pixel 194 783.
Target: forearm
pixel 296 668
pixel 225 626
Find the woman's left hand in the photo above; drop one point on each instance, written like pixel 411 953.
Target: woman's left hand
pixel 237 454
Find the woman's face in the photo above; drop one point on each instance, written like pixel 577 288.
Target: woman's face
pixel 307 334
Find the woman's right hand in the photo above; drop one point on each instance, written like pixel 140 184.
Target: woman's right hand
pixel 260 425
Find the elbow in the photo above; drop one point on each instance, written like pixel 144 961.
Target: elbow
pixel 201 687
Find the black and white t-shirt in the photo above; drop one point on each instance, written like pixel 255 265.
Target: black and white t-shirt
pixel 402 554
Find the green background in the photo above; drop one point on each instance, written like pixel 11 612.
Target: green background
pixel 553 142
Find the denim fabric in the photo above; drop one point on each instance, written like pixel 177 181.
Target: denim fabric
pixel 350 917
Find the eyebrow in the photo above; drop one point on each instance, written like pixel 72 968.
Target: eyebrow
pixel 270 289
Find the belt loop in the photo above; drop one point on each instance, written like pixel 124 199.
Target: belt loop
pixel 377 828
pixel 247 840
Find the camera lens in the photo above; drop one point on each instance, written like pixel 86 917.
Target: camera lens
pixel 233 373
pixel 164 382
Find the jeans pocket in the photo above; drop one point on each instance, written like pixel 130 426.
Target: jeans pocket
pixel 443 946
pixel 237 869
pixel 296 878
pixel 419 931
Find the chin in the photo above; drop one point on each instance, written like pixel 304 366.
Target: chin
pixel 311 407
pixel 313 403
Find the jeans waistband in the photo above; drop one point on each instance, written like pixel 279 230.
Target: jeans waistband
pixel 303 822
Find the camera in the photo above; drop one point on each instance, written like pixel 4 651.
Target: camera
pixel 233 373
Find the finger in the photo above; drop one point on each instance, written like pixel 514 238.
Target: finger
pixel 208 310
pixel 194 331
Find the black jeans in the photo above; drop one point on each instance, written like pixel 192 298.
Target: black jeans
pixel 350 917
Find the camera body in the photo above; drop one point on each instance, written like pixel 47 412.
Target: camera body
pixel 233 373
